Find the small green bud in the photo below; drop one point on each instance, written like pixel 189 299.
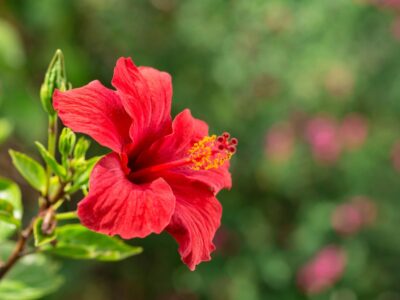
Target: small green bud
pixel 55 78
pixel 81 148
pixel 78 165
pixel 67 141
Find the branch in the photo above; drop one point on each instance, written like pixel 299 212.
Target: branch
pixel 19 247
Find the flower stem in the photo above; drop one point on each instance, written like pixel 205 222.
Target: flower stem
pixel 52 131
pixel 51 143
pixel 19 248
pixel 67 216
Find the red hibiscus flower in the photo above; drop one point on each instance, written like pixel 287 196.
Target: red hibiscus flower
pixel 161 174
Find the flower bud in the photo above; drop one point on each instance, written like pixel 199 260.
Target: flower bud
pixel 55 78
pixel 81 148
pixel 67 141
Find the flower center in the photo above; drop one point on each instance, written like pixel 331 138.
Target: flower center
pixel 212 152
pixel 209 153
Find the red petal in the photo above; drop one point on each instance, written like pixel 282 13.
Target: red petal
pixel 146 95
pixel 217 179
pixel 196 219
pixel 186 130
pixel 97 111
pixel 115 205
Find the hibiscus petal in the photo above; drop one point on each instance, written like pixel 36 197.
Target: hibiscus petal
pixel 115 205
pixel 146 94
pixel 186 130
pixel 97 111
pixel 196 219
pixel 216 179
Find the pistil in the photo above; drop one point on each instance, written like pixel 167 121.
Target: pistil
pixel 209 153
pixel 159 168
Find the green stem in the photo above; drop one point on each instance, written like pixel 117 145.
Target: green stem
pixel 52 139
pixel 67 216
pixel 51 142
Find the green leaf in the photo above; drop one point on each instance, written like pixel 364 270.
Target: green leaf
pixel 42 238
pixel 6 207
pixel 5 130
pixel 7 213
pixel 9 192
pixel 33 277
pixel 30 169
pixel 51 162
pixel 78 242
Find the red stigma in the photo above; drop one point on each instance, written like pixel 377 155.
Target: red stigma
pixel 226 135
pixel 226 143
pixel 234 141
pixel 232 149
pixel 220 139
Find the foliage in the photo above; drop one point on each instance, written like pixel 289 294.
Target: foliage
pixel 10 208
pixel 34 277
pixel 76 241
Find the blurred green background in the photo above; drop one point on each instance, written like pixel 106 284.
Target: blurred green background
pixel 312 90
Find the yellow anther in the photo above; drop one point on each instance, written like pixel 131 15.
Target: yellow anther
pixel 206 155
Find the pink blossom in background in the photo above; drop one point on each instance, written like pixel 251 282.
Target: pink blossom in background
pixel 351 217
pixel 388 3
pixel 395 6
pixel 396 28
pixel 279 142
pixel 323 136
pixel 322 271
pixel 347 219
pixel 327 137
pixel 395 155
pixel 368 209
pixel 353 131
